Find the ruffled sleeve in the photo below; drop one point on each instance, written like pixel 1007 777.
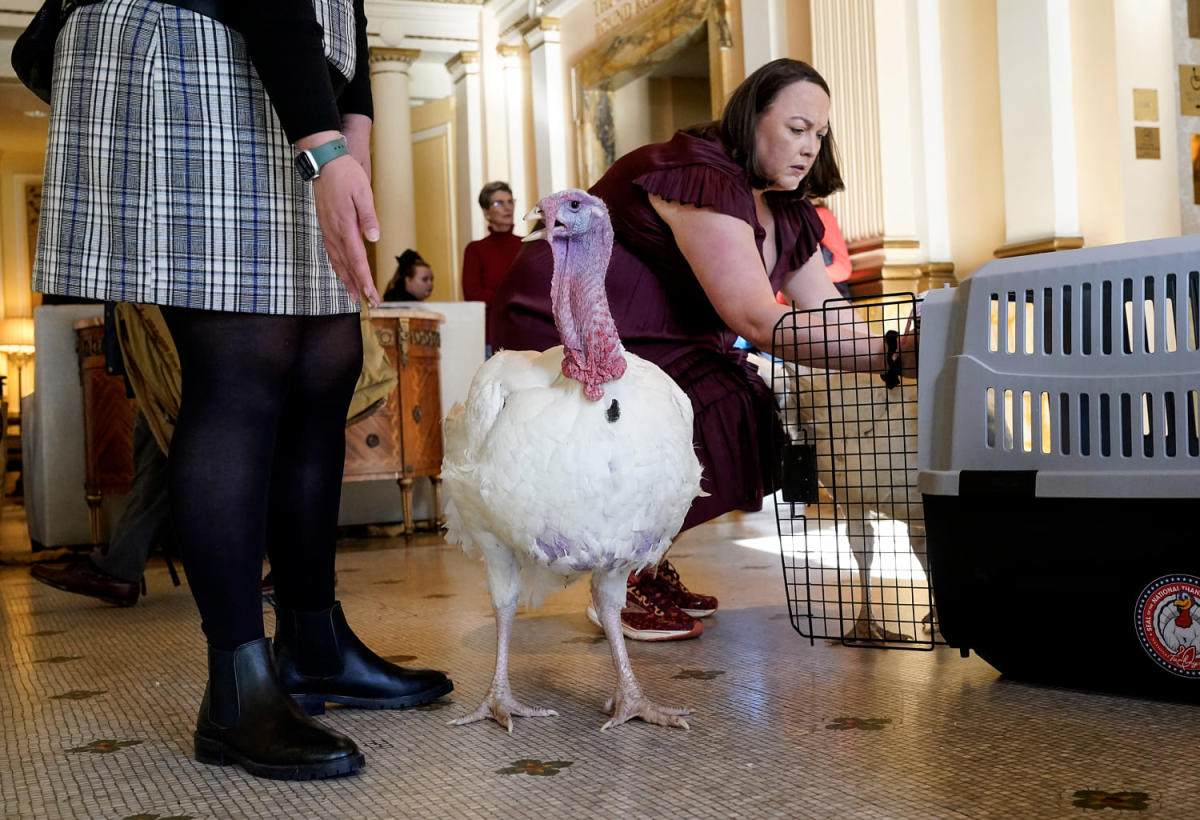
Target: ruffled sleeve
pixel 797 215
pixel 704 186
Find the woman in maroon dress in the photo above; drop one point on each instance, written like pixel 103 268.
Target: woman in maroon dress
pixel 708 227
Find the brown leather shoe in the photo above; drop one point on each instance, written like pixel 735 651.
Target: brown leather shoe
pixel 85 578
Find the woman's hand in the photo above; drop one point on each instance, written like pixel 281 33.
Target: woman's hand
pixel 346 214
pixel 356 128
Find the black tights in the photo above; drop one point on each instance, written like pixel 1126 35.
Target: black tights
pixel 256 459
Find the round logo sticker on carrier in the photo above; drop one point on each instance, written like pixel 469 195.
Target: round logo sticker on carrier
pixel 1168 623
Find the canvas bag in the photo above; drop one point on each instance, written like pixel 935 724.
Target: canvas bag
pixel 152 367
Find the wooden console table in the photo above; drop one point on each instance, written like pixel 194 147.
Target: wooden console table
pixel 108 416
pixel 401 441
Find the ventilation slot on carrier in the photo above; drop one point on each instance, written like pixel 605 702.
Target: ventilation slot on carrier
pixel 1064 422
pixel 1193 422
pixel 1193 309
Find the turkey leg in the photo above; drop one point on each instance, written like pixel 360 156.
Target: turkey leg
pixel 608 595
pixel 499 704
pixel 861 536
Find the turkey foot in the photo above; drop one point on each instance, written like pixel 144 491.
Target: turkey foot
pixel 608 595
pixel 501 707
pixel 866 628
pixel 626 706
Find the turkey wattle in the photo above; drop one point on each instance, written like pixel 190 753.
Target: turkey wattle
pixel 572 461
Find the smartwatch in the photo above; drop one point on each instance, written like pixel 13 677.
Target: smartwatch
pixel 309 163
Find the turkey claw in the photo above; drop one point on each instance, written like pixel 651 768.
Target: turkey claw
pixel 502 711
pixel 868 629
pixel 647 710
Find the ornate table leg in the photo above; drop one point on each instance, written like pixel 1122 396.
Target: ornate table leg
pixel 93 502
pixel 439 517
pixel 406 504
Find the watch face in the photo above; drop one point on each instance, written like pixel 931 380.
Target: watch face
pixel 305 166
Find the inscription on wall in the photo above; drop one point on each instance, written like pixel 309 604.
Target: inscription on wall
pixel 1189 90
pixel 613 13
pixel 1145 104
pixel 1145 143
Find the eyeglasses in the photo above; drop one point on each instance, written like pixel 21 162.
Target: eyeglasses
pixel 502 202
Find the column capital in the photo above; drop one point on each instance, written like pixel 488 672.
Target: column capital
pixel 462 64
pixel 395 59
pixel 508 52
pixel 542 30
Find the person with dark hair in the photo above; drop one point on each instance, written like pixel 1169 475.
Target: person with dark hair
pixel 485 261
pixel 245 223
pixel 412 281
pixel 708 227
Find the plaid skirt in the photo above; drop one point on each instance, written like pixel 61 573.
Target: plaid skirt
pixel 169 179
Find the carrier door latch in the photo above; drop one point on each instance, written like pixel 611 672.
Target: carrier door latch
pixel 799 480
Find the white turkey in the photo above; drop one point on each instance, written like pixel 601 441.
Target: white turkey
pixel 573 461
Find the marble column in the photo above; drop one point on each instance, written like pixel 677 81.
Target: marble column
pixel 549 105
pixel 893 212
pixel 1037 116
pixel 391 157
pixel 464 71
pixel 514 98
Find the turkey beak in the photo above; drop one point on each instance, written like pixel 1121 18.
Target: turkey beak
pixel 535 215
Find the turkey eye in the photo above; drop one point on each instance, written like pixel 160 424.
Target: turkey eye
pixel 574 203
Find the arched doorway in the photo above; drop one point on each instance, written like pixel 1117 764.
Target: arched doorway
pixel 659 61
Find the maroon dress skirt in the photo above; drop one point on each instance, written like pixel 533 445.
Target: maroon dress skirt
pixel 664 316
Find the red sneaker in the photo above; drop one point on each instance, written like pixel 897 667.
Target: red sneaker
pixel 692 603
pixel 649 614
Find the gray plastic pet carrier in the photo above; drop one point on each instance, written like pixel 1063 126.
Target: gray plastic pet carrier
pixel 1059 463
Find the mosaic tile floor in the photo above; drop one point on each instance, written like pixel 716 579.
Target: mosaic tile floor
pixel 97 706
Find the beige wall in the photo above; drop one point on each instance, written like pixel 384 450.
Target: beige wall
pixel 634 116
pixel 525 192
pixel 685 98
pixel 578 36
pixel 799 31
pixel 1097 127
pixel 652 109
pixel 434 180
pixel 1144 59
pixel 974 156
pixel 16 171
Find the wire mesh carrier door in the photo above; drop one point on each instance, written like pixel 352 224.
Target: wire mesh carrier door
pixel 851 523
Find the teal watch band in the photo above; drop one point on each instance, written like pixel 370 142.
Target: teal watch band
pixel 309 163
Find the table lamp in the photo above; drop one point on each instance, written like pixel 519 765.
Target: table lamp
pixel 16 341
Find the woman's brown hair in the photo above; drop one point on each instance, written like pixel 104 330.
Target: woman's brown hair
pixel 738 126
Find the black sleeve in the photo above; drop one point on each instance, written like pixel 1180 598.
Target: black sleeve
pixel 356 98
pixel 283 39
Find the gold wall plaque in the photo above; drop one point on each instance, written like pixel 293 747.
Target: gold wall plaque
pixel 1145 104
pixel 1193 17
pixel 1145 143
pixel 1189 90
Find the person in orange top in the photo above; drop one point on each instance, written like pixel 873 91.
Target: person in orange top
pixel 833 251
pixel 833 248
